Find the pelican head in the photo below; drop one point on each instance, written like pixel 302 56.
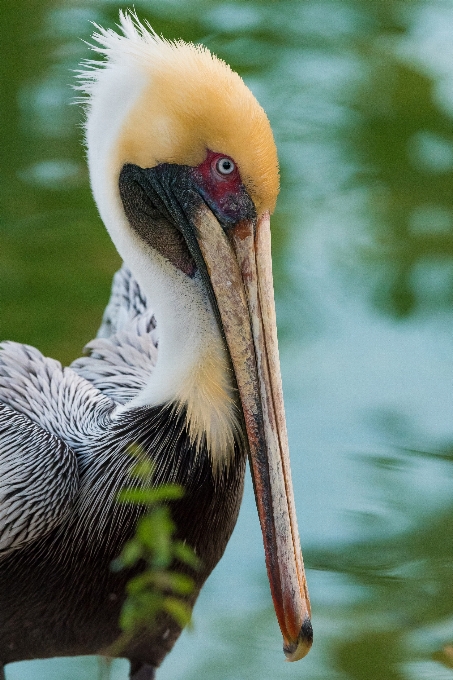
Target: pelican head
pixel 184 172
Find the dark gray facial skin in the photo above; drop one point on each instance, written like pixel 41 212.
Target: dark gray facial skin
pixel 160 203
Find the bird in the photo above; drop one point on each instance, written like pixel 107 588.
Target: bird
pixel 184 172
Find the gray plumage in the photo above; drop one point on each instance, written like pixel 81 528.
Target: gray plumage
pixel 64 439
pixel 49 412
pixel 126 302
pixel 121 358
pixel 38 480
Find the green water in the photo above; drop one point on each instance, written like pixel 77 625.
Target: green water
pixel 360 96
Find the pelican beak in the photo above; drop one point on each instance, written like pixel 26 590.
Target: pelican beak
pixel 239 267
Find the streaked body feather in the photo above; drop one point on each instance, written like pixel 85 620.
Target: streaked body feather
pixel 58 575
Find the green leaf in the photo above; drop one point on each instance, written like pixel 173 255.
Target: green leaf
pixel 127 617
pixel 135 451
pixel 156 589
pixel 185 554
pixel 179 610
pixel 130 554
pixel 181 584
pixel 142 582
pixel 155 532
pixel 144 496
pixel 144 469
pixel 140 610
pixel 155 527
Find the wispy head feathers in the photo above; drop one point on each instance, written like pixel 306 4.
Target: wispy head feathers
pixel 190 101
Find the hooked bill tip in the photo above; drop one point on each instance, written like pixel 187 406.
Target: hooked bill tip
pixel 299 648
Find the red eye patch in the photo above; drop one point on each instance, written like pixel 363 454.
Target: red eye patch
pixel 219 176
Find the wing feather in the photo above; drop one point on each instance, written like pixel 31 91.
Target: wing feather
pixel 119 366
pixel 38 480
pixel 126 302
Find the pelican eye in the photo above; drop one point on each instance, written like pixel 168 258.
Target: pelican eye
pixel 225 166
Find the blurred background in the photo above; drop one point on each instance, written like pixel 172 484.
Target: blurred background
pixel 360 97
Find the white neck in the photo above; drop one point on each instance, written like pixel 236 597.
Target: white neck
pixel 193 367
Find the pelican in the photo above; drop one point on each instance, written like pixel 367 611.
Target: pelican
pixel 184 172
